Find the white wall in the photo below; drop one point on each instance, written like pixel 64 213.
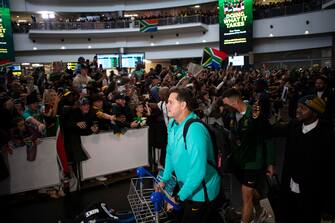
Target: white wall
pixel 295 25
pixel 98 5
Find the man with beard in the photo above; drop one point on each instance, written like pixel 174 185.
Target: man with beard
pixel 307 184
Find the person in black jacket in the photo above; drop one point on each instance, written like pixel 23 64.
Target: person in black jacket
pixel 307 187
pixel 79 121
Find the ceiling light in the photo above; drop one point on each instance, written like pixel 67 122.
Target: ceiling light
pixel 152 44
pixel 34 48
pixel 63 47
pixel 197 6
pixel 17 16
pixel 89 47
pixel 306 32
pixel 271 35
pixel 204 41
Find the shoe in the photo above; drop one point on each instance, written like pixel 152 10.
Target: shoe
pixel 260 215
pixel 101 178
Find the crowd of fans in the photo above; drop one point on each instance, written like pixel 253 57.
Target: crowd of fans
pixel 88 101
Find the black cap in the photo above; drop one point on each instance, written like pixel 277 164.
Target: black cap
pixel 81 59
pixel 96 97
pixel 84 66
pixel 119 96
pixel 32 98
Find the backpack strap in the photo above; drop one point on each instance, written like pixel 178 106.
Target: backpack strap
pixel 187 126
pixel 185 130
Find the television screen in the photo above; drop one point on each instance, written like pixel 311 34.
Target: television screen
pixel 131 60
pixel 15 67
pixel 108 61
pixel 237 60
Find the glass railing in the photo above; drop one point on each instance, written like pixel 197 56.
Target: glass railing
pixel 119 24
pixel 282 10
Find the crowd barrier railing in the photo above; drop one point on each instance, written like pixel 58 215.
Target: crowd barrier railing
pixel 108 154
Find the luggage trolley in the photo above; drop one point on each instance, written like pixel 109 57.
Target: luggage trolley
pixel 146 204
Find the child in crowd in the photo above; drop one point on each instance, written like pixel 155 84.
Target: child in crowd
pixel 142 111
pixel 24 135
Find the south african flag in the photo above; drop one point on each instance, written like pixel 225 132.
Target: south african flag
pixel 212 58
pixel 149 25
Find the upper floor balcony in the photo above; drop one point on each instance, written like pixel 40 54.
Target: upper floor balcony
pixel 120 25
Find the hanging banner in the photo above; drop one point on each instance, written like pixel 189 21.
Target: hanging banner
pixel 235 19
pixel 6 37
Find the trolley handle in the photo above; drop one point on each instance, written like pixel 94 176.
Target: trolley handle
pixel 158 197
pixel 142 172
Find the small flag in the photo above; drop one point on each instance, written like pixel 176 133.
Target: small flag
pixel 213 58
pixel 63 161
pixel 149 25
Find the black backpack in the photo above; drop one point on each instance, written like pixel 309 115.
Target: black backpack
pixel 221 144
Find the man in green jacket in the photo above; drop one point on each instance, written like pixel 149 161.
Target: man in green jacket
pixel 253 154
pixel 199 182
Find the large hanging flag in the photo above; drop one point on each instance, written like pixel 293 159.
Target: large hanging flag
pixel 148 25
pixel 213 58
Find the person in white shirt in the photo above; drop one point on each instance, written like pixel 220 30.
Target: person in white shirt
pixel 82 79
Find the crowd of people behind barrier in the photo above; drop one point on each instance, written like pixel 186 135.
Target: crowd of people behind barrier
pixel 88 101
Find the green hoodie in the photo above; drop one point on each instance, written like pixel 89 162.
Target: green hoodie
pixel 190 166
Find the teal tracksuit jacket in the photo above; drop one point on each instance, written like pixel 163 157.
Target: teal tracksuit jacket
pixel 191 165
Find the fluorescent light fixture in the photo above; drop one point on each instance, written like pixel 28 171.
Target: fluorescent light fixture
pixel 47 14
pixel 131 15
pixel 197 6
pixel 34 48
pixel 63 47
pixel 25 64
pixel 37 65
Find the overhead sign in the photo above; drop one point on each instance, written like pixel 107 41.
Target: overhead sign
pixel 6 37
pixel 235 19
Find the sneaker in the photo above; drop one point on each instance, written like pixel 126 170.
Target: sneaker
pixel 260 215
pixel 101 178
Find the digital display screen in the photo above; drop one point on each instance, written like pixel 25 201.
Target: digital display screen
pixel 108 61
pixel 235 19
pixel 6 37
pixel 15 68
pixel 237 60
pixel 131 60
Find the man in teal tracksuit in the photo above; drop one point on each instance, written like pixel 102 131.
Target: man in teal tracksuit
pixel 198 180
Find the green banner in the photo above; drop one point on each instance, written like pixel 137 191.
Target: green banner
pixel 235 19
pixel 6 37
